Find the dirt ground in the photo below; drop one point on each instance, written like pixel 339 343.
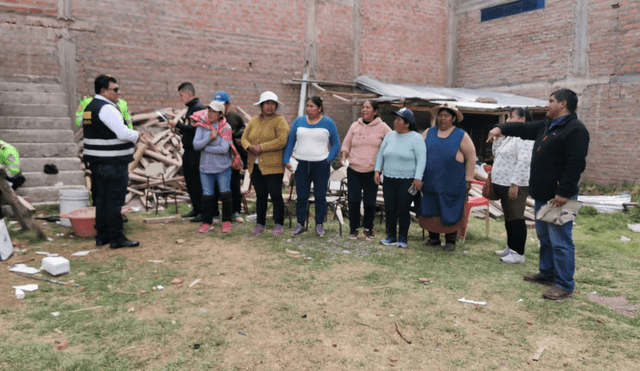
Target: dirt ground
pixel 256 309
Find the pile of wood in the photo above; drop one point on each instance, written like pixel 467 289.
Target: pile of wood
pixel 495 207
pixel 157 143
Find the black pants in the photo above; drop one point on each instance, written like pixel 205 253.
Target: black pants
pixel 266 185
pixel 191 171
pixel 109 188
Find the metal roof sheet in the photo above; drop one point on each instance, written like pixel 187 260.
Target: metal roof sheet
pixel 464 98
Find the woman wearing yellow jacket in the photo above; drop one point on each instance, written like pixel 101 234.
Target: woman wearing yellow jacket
pixel 264 139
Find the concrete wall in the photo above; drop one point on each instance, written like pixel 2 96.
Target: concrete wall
pixel 590 46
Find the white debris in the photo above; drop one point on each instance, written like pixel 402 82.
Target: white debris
pixel 463 300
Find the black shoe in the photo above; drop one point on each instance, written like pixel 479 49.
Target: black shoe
pixel 124 242
pixel 191 214
pixel 125 219
pixel 197 219
pixel 101 241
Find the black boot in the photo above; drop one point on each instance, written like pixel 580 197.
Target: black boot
pixel 226 206
pixel 450 241
pixel 207 209
pixel 434 239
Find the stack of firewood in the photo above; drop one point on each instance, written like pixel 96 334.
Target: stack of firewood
pixel 157 143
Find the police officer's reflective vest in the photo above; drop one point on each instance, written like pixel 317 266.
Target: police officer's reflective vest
pixel 122 105
pixel 10 158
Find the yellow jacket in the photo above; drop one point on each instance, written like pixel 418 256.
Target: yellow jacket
pixel 271 135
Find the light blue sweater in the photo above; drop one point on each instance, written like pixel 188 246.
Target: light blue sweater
pixel 214 154
pixel 402 156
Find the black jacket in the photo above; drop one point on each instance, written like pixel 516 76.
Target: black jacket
pixel 559 155
pixel 187 130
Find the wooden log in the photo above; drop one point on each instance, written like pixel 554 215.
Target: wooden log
pixel 164 159
pixel 141 148
pixel 26 204
pixel 19 211
pixel 243 113
pixel 166 219
pixel 135 191
pixel 78 135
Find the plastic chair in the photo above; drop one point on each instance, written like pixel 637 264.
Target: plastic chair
pixel 474 202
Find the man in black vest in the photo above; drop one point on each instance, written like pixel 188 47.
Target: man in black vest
pixel 190 157
pixel 108 149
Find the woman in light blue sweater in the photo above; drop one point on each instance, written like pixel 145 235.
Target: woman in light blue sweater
pixel 402 159
pixel 215 162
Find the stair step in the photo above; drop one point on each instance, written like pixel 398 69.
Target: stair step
pixel 19 97
pixel 62 163
pixel 32 79
pixel 37 136
pixel 46 194
pixel 37 123
pixel 31 150
pixel 34 110
pixel 26 87
pixel 63 178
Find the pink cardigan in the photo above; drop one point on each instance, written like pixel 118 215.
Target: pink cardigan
pixel 363 142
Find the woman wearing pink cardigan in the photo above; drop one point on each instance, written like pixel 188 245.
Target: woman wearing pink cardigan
pixel 360 148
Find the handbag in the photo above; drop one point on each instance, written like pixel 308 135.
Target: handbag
pixel 487 190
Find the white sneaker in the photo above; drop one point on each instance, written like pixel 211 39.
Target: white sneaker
pixel 504 252
pixel 237 218
pixel 513 258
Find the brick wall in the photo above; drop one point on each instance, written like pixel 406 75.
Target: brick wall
pixel 404 41
pixel 31 7
pixel 27 51
pixel 533 54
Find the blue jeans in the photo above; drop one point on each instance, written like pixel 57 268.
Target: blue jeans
pixel 557 252
pixel 109 188
pixel 209 182
pixel 397 204
pixel 362 187
pixel 306 173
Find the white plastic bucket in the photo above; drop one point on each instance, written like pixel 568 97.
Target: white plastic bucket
pixel 72 199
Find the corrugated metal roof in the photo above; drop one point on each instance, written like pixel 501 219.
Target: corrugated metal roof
pixel 463 98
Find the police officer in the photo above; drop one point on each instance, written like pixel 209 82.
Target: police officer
pixel 108 148
pixel 11 159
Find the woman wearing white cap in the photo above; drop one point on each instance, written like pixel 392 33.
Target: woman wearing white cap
pixel 213 140
pixel 264 139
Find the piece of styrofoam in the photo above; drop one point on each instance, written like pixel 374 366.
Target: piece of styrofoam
pixel 56 265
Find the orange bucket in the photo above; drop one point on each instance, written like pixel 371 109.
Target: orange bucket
pixel 83 221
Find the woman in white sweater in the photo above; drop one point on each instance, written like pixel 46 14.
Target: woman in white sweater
pixel 510 179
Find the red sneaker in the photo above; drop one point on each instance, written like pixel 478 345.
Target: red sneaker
pixel 226 227
pixel 204 228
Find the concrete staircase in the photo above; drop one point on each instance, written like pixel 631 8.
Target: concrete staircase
pixel 34 117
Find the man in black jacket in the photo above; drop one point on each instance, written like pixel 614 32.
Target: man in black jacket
pixel 559 157
pixel 190 157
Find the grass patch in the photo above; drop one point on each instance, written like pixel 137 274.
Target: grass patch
pixel 335 307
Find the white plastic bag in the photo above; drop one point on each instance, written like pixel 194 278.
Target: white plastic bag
pixel 6 247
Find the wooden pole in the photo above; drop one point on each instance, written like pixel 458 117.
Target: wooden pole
pixel 19 211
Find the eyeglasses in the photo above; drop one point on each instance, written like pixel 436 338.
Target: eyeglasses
pixel 114 89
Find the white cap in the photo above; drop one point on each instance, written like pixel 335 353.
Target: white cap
pixel 217 106
pixel 268 95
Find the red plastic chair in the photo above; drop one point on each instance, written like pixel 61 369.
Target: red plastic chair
pixel 471 203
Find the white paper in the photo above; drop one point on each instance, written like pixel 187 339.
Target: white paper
pixel 634 227
pixel 463 300
pixel 80 253
pixel 42 253
pixel 21 268
pixel 19 294
pixel 624 239
pixel 29 287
